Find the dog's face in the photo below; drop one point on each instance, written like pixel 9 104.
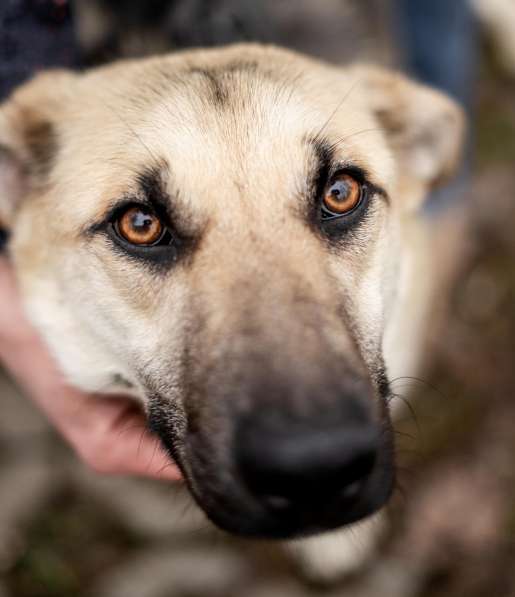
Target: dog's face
pixel 219 233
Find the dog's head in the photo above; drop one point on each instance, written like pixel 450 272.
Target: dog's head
pixel 219 232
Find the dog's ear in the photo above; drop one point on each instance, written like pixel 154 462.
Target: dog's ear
pixel 424 127
pixel 28 138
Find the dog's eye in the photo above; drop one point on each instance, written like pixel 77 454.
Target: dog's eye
pixel 341 196
pixel 139 226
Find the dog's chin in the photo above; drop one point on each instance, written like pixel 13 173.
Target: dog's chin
pixel 236 513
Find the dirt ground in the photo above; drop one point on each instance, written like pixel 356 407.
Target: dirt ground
pixel 65 532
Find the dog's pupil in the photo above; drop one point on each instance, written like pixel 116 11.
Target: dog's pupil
pixel 141 221
pixel 340 190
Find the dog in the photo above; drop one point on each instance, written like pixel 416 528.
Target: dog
pixel 233 237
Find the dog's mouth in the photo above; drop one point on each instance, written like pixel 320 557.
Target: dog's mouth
pixel 280 480
pixel 309 512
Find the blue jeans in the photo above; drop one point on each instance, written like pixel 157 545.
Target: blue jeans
pixel 440 44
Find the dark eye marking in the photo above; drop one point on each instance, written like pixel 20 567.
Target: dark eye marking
pixel 341 193
pixel 142 226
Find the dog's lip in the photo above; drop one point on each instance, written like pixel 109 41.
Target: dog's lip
pixel 259 523
pixel 263 525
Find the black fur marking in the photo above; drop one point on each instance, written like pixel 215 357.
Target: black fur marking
pixel 152 188
pixel 219 92
pixel 41 141
pixel 219 78
pixel 338 229
pixel 244 66
pixel 324 159
pixel 160 423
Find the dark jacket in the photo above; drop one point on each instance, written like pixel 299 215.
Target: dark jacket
pixel 34 34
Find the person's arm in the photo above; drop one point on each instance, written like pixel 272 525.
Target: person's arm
pixel 109 435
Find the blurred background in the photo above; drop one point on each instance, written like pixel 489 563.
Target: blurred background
pixel 65 532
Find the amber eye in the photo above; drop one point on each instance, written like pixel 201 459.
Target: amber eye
pixel 139 226
pixel 341 196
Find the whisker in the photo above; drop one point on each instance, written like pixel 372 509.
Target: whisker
pixel 334 112
pixel 156 446
pixel 165 466
pixel 344 138
pixel 426 383
pixel 133 132
pixel 128 428
pixel 410 409
pixel 404 434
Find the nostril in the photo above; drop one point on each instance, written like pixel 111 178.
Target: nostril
pixel 351 491
pixel 277 502
pixel 360 461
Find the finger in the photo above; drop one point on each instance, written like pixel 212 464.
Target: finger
pixel 116 440
pixel 151 460
pixel 139 452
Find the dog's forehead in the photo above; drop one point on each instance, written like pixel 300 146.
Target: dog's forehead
pixel 245 130
pixel 253 125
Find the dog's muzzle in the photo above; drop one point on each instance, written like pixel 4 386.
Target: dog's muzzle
pixel 276 471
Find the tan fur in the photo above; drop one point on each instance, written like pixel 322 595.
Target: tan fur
pixel 228 130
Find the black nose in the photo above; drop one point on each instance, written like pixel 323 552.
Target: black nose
pixel 298 467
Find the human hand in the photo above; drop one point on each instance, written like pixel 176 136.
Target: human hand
pixel 109 434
